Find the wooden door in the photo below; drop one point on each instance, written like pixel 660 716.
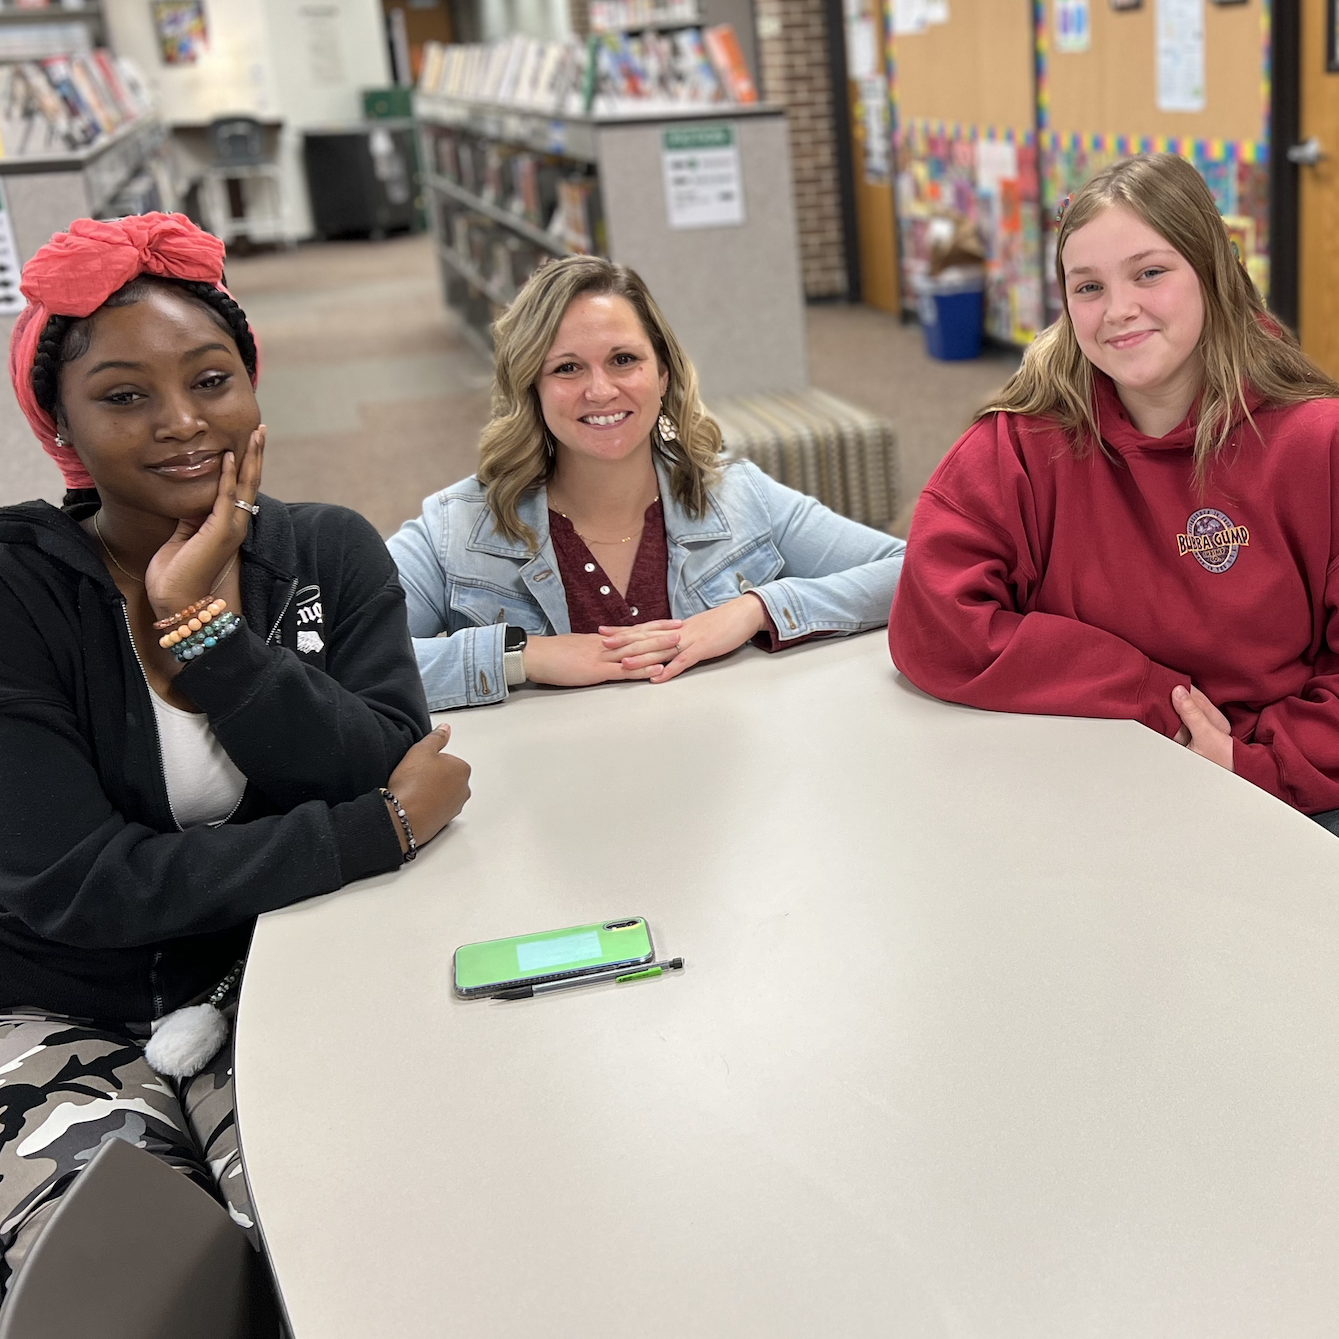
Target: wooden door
pixel 871 154
pixel 1318 250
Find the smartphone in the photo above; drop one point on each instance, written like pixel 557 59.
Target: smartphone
pixel 552 955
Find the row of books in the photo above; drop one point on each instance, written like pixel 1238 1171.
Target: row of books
pixel 609 72
pixel 691 65
pixel 520 72
pixel 577 221
pixel 613 16
pixel 518 180
pixel 65 103
pixel 537 187
pixel 33 41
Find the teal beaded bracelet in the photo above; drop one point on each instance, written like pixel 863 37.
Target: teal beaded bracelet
pixel 208 637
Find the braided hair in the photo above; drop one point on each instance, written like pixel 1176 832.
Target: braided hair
pixel 66 338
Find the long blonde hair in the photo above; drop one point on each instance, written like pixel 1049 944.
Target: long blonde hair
pixel 1240 346
pixel 514 451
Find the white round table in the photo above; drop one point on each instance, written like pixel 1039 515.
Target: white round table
pixel 990 1026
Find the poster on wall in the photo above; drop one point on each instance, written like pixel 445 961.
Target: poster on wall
pixel 1180 39
pixel 1073 25
pixel 182 34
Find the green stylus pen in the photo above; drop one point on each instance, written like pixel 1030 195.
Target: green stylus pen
pixel 622 974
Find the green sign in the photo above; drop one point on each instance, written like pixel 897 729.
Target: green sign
pixel 698 137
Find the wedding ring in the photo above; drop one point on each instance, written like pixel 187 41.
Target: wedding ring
pixel 252 507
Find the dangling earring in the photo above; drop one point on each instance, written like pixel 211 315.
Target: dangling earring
pixel 665 426
pixel 548 444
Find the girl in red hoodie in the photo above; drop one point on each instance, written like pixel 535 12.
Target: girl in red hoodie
pixel 1145 524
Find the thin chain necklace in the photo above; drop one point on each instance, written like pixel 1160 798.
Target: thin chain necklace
pixel 107 548
pixel 585 539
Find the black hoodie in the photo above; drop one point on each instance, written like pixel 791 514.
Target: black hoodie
pixel 108 910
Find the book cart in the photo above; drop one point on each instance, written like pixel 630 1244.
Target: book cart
pixel 508 188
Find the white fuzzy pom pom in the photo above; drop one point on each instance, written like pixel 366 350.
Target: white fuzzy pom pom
pixel 185 1041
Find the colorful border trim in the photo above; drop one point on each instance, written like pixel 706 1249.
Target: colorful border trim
pixel 1122 146
pixel 968 131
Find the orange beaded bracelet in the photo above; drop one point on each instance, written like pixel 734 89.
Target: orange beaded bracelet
pixel 176 620
pixel 194 619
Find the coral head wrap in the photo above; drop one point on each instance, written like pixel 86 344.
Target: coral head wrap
pixel 76 272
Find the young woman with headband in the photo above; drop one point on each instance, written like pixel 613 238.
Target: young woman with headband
pixel 602 537
pixel 1145 524
pixel 209 708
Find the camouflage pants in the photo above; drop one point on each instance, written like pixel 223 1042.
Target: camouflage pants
pixel 67 1085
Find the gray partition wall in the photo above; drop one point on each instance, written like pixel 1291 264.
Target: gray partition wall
pixel 733 293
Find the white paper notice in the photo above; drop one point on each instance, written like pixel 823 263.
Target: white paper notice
pixel 862 49
pixel 936 11
pixel 1073 25
pixel 704 187
pixel 325 60
pixel 996 161
pixel 1180 55
pixel 909 16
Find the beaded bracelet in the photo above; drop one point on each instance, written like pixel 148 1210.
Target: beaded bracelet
pixel 197 622
pixel 198 643
pixel 185 637
pixel 176 620
pixel 404 823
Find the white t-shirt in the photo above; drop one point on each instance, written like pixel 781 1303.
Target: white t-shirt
pixel 203 783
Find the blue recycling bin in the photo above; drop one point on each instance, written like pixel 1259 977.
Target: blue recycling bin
pixel 952 311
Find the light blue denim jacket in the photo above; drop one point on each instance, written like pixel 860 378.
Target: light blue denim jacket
pixel 817 572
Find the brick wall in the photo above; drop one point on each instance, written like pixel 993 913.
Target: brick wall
pixel 793 53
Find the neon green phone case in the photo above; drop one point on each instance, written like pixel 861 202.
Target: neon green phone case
pixel 552 955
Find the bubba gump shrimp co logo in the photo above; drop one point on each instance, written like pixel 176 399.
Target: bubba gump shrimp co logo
pixel 1213 539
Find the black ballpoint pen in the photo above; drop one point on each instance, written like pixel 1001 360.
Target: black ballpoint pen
pixel 621 974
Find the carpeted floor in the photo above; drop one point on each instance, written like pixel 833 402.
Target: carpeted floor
pixel 374 399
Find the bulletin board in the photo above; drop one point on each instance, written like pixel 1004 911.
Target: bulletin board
pixel 964 119
pixel 1101 104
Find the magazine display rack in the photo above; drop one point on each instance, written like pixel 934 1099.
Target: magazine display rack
pixel 78 135
pixel 45 193
pixel 510 188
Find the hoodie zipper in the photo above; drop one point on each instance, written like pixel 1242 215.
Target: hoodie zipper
pixel 155 982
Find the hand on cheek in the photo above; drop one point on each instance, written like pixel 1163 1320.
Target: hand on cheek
pixel 1205 730
pixel 714 633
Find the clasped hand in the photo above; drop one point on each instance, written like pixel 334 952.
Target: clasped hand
pixel 1204 730
pixel 658 651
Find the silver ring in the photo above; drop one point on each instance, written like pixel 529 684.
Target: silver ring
pixel 252 507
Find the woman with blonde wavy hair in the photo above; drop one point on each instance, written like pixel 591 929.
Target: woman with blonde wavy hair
pixel 603 537
pixel 1145 523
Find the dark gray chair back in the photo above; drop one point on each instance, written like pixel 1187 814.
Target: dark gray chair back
pixel 136 1251
pixel 238 141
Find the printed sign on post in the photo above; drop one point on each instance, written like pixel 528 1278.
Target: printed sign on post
pixel 704 187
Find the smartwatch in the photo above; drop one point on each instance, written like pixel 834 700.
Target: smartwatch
pixel 513 655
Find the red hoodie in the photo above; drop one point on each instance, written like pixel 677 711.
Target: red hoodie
pixel 1036 582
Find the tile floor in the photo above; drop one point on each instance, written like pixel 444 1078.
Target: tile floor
pixel 374 399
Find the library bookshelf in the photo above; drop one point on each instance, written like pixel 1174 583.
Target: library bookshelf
pixel 510 188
